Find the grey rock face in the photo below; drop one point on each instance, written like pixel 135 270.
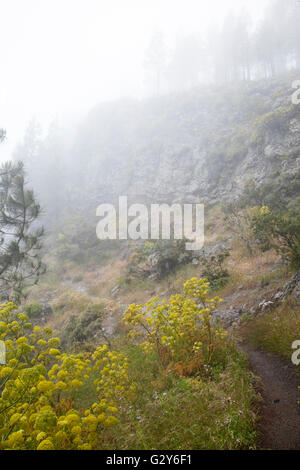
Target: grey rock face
pixel 115 290
pixel 202 146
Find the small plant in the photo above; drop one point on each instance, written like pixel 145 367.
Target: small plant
pixel 280 231
pixel 238 220
pixel 158 259
pixel 83 328
pixel 33 309
pixel 214 270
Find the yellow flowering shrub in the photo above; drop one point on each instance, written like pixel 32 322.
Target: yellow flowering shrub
pixel 37 386
pixel 180 329
pixel 264 210
pixel 114 383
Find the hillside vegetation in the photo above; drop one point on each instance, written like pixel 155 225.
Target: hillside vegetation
pixel 135 344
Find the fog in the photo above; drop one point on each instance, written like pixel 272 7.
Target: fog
pixel 61 57
pixel 149 226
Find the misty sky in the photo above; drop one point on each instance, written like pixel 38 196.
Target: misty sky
pixel 60 57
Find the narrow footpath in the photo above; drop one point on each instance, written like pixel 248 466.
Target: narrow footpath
pixel 279 426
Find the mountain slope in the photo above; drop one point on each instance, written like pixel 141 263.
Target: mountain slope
pixel 201 145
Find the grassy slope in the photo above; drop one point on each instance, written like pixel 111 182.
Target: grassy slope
pixel 274 331
pixel 214 412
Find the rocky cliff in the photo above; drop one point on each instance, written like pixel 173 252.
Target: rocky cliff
pixel 197 146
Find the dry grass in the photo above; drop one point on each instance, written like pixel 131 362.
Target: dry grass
pixel 100 281
pixel 187 413
pixel 274 331
pixel 248 274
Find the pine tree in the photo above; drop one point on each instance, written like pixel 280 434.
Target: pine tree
pixel 20 245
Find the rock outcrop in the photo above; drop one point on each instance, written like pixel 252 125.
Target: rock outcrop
pixel 198 146
pixel 231 316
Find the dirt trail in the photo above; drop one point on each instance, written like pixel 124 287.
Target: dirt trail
pixel 279 426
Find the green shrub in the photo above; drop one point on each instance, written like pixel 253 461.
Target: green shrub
pixel 280 231
pixel 214 270
pixel 82 329
pixel 280 192
pixel 274 121
pixel 33 309
pixel 168 255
